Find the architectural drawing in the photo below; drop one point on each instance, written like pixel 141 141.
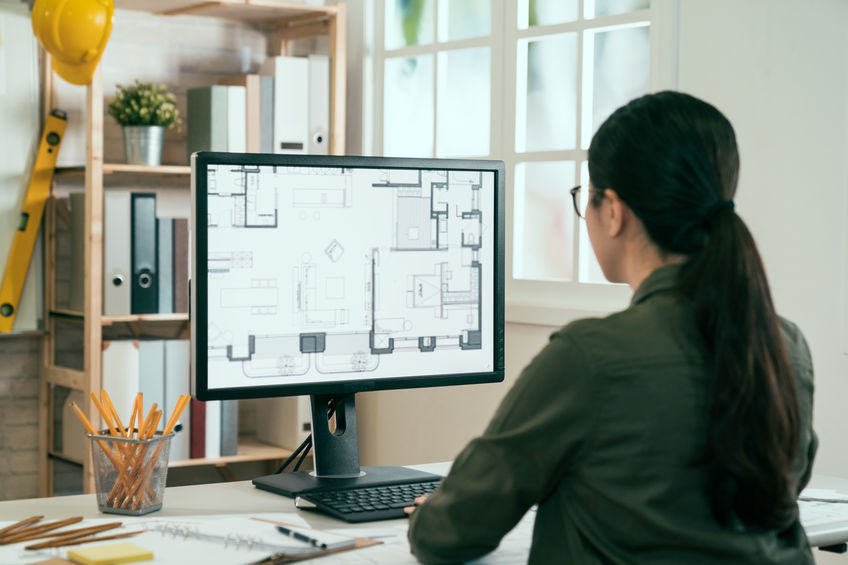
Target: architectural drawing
pixel 335 271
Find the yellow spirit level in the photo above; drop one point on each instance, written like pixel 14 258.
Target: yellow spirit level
pixel 33 209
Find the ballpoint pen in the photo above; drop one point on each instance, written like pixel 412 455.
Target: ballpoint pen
pixel 302 537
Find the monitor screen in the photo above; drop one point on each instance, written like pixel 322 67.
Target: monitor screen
pixel 320 275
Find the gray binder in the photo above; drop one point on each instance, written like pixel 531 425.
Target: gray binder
pixel 177 383
pixel 116 252
pixel 165 266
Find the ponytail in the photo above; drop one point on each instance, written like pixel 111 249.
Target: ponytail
pixel 753 415
pixel 673 159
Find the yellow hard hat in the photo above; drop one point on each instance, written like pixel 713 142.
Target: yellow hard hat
pixel 75 33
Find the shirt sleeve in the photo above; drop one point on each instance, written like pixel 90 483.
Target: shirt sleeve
pixel 802 365
pixel 540 427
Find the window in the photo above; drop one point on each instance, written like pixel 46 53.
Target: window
pixel 436 61
pixel 528 82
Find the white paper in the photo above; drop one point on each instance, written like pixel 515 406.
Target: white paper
pixel 186 539
pixel 247 539
pixel 829 495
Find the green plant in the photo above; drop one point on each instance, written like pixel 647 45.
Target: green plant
pixel 145 104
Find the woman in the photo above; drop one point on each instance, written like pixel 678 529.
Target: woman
pixel 677 431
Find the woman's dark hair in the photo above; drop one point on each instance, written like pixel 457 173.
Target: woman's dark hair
pixel 673 160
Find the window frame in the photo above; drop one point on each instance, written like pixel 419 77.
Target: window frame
pixel 528 301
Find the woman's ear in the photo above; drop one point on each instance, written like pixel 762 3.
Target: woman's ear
pixel 614 213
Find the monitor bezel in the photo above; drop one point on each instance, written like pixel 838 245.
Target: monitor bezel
pixel 199 291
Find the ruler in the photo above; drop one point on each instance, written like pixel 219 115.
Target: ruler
pixel 32 210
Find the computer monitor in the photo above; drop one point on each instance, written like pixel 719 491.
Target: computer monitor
pixel 329 275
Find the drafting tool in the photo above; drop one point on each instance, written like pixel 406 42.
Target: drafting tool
pixel 23 243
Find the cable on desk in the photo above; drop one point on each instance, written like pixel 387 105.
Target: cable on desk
pixel 303 448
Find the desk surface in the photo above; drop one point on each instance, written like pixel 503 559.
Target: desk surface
pixel 242 498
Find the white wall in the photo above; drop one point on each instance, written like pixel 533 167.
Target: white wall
pixel 18 145
pixel 778 69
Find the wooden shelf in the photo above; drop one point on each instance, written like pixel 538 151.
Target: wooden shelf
pixel 113 168
pixel 249 449
pixel 132 326
pixel 65 458
pixel 129 318
pixel 22 334
pixel 65 313
pixel 281 22
pixel 254 11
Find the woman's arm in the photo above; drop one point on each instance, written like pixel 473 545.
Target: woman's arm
pixel 532 441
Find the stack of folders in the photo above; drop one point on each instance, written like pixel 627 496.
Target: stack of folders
pixel 145 258
pixel 285 108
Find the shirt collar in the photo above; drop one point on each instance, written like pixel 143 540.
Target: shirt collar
pixel 662 279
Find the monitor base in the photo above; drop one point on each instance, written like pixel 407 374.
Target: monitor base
pixel 302 482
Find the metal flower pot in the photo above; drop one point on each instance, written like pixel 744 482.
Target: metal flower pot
pixel 143 145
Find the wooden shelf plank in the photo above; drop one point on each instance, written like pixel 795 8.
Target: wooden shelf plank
pixel 22 334
pixel 249 449
pixel 112 168
pixel 161 326
pixel 65 313
pixel 255 11
pixel 126 318
pixel 65 458
pixel 62 376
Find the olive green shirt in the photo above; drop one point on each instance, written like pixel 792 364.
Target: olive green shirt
pixel 602 430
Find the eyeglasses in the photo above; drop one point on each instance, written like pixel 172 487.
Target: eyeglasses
pixel 575 198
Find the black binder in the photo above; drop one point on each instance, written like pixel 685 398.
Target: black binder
pixel 144 292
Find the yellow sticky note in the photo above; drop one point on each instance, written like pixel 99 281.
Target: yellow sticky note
pixel 109 554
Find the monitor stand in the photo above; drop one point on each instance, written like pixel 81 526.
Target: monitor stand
pixel 336 457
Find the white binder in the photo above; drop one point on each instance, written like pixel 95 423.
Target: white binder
pixel 213 429
pixel 116 252
pixel 319 104
pixel 121 376
pixel 236 119
pixel 177 383
pixel 291 102
pixel 151 377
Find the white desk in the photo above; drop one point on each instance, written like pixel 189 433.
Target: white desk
pixel 242 498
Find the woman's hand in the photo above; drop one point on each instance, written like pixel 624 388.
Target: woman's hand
pixel 418 502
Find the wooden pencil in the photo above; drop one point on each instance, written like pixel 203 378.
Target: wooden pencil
pixel 27 534
pixel 116 461
pixel 21 524
pixel 78 541
pixel 78 532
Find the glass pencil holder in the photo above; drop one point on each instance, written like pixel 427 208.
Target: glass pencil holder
pixel 130 474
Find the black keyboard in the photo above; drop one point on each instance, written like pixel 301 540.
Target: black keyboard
pixel 366 504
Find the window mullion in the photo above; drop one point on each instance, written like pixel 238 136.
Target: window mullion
pixel 379 58
pixel 575 227
pixel 437 49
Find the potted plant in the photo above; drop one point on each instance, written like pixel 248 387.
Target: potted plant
pixel 145 110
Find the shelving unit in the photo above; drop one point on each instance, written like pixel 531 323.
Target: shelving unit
pixel 285 22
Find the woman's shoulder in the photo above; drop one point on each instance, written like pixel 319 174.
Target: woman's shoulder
pixel 796 344
pixel 641 321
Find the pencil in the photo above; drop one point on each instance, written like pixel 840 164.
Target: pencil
pixel 28 533
pixel 77 541
pixel 79 532
pixel 21 524
pixel 90 429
